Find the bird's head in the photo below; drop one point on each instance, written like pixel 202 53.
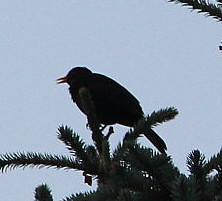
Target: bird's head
pixel 74 75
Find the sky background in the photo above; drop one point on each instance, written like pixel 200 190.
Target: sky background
pixel 163 53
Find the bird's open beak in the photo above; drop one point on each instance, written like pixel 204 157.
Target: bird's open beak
pixel 62 80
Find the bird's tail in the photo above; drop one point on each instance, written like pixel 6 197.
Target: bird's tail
pixel 156 140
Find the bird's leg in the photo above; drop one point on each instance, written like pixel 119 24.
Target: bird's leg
pixel 110 132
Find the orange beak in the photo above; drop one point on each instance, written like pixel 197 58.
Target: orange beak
pixel 62 80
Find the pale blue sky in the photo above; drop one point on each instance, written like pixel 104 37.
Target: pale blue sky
pixel 163 53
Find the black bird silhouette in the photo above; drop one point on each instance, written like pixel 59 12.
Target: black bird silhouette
pixel 113 103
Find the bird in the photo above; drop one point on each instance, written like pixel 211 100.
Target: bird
pixel 113 103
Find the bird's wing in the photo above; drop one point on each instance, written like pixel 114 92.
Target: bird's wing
pixel 106 92
pixel 106 85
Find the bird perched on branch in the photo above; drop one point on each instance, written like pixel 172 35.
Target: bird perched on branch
pixel 113 103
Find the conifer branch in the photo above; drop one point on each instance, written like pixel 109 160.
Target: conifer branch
pixel 131 178
pixel 105 160
pixel 74 143
pixel 153 165
pixel 161 116
pixel 215 163
pixel 196 164
pixel 19 159
pixel 85 155
pixel 202 6
pixel 180 189
pixel 125 195
pixel 154 119
pixel 119 152
pixel 198 178
pixel 43 193
pixel 88 196
pixel 92 154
